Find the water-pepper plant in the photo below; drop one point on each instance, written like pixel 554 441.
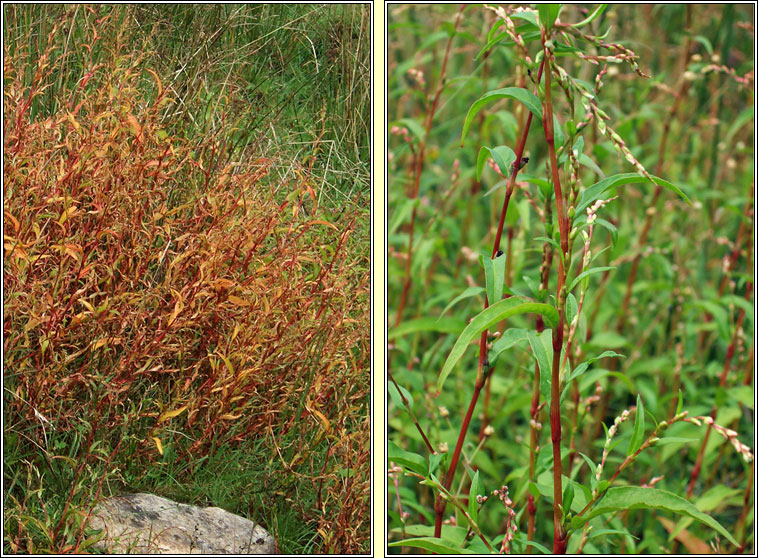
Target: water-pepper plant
pixel 569 305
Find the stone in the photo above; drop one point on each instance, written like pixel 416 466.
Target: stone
pixel 148 524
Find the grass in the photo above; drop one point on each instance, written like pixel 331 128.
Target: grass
pixel 607 283
pixel 186 272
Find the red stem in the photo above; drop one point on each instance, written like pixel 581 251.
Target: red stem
pixel 560 538
pixel 481 376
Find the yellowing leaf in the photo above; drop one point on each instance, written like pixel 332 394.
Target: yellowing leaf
pixel 320 222
pixel 178 307
pixel 157 81
pixel 13 221
pixel 104 341
pixel 324 421
pixel 171 414
pixel 158 444
pixel 135 125
pixel 73 121
pixel 227 363
pixel 238 301
pixel 230 416
pixel 86 304
pixel 223 283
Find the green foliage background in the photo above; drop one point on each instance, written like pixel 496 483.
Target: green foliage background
pixel 680 321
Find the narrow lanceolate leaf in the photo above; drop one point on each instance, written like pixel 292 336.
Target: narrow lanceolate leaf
pixel 498 312
pixel 638 434
pixel 598 190
pixel 587 273
pixel 494 273
pixel 548 14
pixel 590 18
pixel 542 349
pixel 633 497
pixel 476 490
pixel 396 395
pixel 433 544
pixel 443 325
pixel 407 459
pixel 471 291
pixel 529 99
pixel 158 444
pixel 171 414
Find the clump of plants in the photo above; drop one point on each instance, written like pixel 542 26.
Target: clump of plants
pixel 536 244
pixel 168 302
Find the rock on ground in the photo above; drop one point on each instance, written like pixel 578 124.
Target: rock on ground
pixel 149 524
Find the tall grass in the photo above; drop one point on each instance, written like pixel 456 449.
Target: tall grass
pixel 186 274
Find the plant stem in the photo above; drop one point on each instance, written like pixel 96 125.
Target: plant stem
pixel 411 413
pixel 481 374
pixel 560 539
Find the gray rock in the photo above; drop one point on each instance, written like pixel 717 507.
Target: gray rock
pixel 149 524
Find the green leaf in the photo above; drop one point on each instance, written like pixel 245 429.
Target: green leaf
pixel 585 161
pixel 508 339
pixel 443 325
pixel 601 532
pixel 476 490
pixel 568 497
pixel 572 308
pixel 527 16
pixel 582 368
pixel 492 41
pixel 679 403
pixel 400 214
pixel 587 273
pixel 503 156
pixel 548 14
pixel 559 137
pixel 498 312
pixel 538 546
pixel 706 43
pixel 496 187
pixel 471 291
pixel 633 497
pixel 739 301
pixel 611 228
pixel 716 497
pixel 494 273
pixel 674 440
pixel 542 349
pixel 433 544
pixel 719 315
pixel 638 434
pixel 744 395
pixel 434 461
pixel 528 33
pixel 526 97
pixel 592 17
pixel 597 190
pixel 582 494
pixel 550 241
pixel 546 189
pixel 395 395
pixel 412 461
